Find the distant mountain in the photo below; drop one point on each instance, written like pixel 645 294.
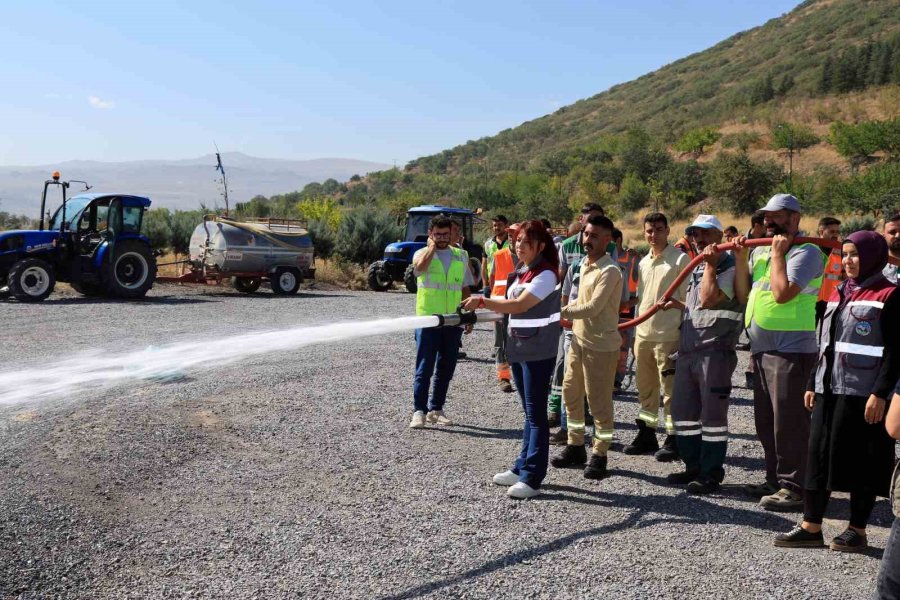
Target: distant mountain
pixel 183 184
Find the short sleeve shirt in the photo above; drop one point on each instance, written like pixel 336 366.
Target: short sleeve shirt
pixel 540 287
pixel 446 257
pixel 804 265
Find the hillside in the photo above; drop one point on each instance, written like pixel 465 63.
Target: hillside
pixel 178 184
pixel 741 77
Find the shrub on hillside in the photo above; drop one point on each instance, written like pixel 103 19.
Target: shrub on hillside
pixel 857 224
pixel 739 184
pixel 364 233
pixel 322 237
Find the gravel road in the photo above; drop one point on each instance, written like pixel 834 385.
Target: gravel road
pixel 294 475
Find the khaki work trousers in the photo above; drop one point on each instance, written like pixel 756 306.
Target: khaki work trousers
pixel 651 360
pixel 592 373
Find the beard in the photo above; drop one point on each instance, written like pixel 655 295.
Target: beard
pixel 894 246
pixel 776 229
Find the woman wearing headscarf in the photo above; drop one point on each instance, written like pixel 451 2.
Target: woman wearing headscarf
pixel 858 365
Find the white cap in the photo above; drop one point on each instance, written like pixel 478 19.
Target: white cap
pixel 706 222
pixel 782 201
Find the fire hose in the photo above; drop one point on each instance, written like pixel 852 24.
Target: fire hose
pixel 461 317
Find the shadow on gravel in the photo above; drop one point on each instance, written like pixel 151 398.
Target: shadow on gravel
pixel 750 463
pixel 163 300
pixel 266 295
pixel 481 432
pixel 659 510
pixel 484 361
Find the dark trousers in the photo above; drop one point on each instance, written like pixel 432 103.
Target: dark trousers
pixel 861 505
pixel 887 585
pixel 782 422
pixel 436 350
pixel 533 384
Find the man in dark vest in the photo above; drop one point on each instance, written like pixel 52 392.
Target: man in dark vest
pixel 706 360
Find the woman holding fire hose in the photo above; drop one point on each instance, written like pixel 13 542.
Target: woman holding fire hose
pixel 532 301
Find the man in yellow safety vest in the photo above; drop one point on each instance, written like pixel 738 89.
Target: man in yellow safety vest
pixel 780 285
pixel 443 281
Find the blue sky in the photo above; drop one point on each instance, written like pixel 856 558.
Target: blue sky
pixel 384 81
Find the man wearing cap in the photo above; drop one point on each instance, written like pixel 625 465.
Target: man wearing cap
pixel 781 285
pixel 712 322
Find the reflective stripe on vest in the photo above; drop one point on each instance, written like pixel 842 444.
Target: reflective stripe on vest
pixel 514 322
pixel 860 349
pixel 440 292
pixel 799 314
pixel 627 262
pixel 832 277
pixel 853 331
pixel 502 268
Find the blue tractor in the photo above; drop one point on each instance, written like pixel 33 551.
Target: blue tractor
pixel 93 242
pixel 397 262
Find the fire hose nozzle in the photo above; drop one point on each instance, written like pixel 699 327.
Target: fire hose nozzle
pixel 462 317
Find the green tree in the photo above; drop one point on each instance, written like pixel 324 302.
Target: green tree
pixel 182 224
pixel 856 143
pixel 364 233
pixel 323 238
pixel 634 193
pixel 739 184
pixel 157 227
pixel 790 138
pixel 695 141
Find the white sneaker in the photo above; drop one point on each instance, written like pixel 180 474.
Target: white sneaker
pixel 437 417
pixel 506 478
pixel 521 491
pixel 418 420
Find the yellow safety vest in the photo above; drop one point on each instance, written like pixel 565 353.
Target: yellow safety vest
pixel 797 315
pixel 439 292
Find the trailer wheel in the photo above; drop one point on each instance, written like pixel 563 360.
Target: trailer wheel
pixel 246 285
pixel 131 270
pixel 285 281
pixel 410 280
pixel 378 278
pixel 31 280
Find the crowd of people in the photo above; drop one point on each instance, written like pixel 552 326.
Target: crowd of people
pixel 820 318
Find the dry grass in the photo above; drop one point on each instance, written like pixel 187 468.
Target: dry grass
pixel 342 274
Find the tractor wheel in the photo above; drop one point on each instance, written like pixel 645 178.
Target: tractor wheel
pixel 31 280
pixel 130 272
pixel 246 285
pixel 91 290
pixel 378 278
pixel 285 281
pixel 410 280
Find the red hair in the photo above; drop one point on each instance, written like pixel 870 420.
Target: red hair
pixel 535 232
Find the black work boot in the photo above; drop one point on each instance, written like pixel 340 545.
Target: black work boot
pixel 682 477
pixel 669 450
pixel 704 484
pixel 596 467
pixel 645 442
pixel 570 457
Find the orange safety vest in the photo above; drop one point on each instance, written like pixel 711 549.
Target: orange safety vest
pixel 626 261
pixel 503 268
pixel 685 246
pixel 833 275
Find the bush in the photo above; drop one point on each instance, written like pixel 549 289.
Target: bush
pixel 634 193
pixel 364 233
pixel 157 228
pixel 739 184
pixel 323 238
pixel 857 224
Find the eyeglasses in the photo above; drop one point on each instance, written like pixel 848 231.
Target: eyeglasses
pixel 441 236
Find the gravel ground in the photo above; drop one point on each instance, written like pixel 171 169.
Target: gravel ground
pixel 295 476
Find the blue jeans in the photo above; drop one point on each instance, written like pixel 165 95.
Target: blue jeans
pixel 435 347
pixel 887 584
pixel 533 384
